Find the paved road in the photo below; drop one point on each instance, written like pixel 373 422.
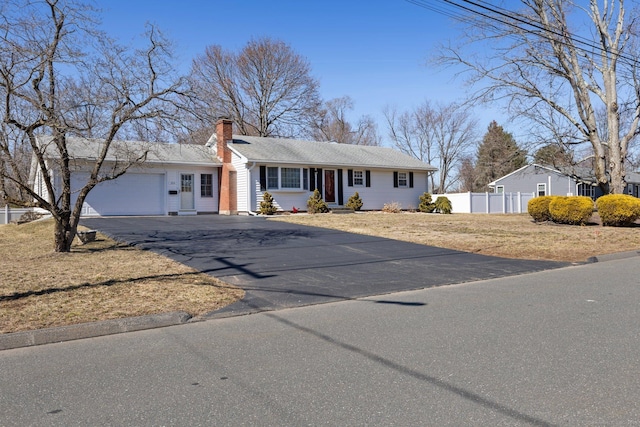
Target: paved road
pixel 558 347
pixel 286 265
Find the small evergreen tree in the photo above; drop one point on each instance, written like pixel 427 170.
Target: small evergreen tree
pixel 425 203
pixel 315 204
pixel 443 205
pixel 498 155
pixel 355 202
pixel 266 205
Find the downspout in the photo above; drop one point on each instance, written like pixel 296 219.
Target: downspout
pixel 249 191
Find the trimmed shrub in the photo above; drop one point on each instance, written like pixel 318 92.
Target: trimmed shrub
pixel 355 202
pixel 618 210
pixel 315 204
pixel 426 205
pixel 574 210
pixel 538 208
pixel 443 205
pixel 266 205
pixel 393 207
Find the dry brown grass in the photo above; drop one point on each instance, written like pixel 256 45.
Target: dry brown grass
pixel 511 236
pixel 97 281
pixel 107 280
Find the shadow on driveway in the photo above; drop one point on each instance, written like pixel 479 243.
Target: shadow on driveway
pixel 282 265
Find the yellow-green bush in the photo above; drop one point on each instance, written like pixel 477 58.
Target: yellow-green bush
pixel 443 205
pixel 538 208
pixel 574 210
pixel 618 209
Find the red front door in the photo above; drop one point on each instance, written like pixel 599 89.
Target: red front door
pixel 330 186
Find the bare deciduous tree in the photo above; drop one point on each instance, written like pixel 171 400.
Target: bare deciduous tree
pixel 439 134
pixel 332 125
pixel 569 57
pixel 59 79
pixel 266 89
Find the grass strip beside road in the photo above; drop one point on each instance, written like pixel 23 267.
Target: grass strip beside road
pixel 101 280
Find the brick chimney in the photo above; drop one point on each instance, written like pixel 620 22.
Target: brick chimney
pixel 224 133
pixel 228 175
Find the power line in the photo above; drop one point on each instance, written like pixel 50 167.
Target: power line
pixel 515 20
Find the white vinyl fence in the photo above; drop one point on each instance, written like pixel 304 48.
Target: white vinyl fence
pixel 489 203
pixel 8 214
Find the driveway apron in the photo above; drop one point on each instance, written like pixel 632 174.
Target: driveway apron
pixel 282 265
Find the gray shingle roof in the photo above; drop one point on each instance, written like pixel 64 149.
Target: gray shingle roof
pixel 278 150
pixel 88 149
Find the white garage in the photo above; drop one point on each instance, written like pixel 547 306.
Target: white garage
pixel 130 194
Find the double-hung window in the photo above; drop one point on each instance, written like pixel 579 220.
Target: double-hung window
pixel 272 179
pixel 358 178
pixel 542 190
pixel 402 179
pixel 206 185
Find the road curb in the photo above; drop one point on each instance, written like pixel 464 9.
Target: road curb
pixel 614 256
pixel 131 324
pixel 90 330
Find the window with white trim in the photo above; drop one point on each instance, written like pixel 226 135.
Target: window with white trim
pixel 499 189
pixel 542 190
pixel 285 178
pixel 588 190
pixel 402 179
pixel 206 185
pixel 290 178
pixel 272 179
pixel 358 178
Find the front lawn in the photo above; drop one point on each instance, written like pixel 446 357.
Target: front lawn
pixel 511 235
pixel 97 281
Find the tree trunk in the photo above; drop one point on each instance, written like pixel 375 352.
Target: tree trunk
pixel 64 234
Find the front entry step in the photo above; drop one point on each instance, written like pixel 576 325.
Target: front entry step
pixel 341 210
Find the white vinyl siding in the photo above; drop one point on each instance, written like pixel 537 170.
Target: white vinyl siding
pixel 242 183
pixel 374 197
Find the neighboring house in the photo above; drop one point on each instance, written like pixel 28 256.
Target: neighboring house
pixel 231 173
pixel 544 181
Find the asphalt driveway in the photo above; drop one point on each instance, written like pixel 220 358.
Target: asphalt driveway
pixel 282 265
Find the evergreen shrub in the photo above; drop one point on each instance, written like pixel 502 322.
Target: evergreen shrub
pixel 426 205
pixel 315 204
pixel 443 205
pixel 618 210
pixel 538 208
pixel 266 205
pixel 574 210
pixel 355 202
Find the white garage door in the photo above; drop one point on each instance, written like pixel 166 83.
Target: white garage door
pixel 130 194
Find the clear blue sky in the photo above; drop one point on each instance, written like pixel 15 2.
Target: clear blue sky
pixel 374 51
